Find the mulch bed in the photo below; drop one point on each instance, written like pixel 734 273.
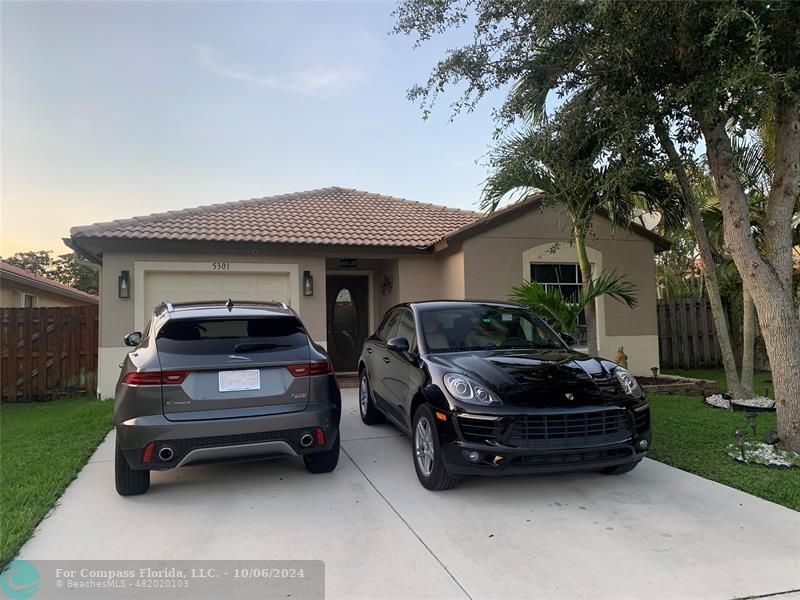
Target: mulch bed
pixel 673 384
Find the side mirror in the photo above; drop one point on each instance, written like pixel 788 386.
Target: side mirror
pixel 567 339
pixel 133 339
pixel 398 344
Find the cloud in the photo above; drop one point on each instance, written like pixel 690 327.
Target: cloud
pixel 312 80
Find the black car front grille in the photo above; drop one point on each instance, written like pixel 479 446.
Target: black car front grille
pixel 571 429
pixel 572 458
pixel 641 419
pixel 480 430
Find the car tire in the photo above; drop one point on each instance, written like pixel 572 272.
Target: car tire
pixel 325 461
pixel 370 414
pixel 425 439
pixel 620 469
pixel 129 482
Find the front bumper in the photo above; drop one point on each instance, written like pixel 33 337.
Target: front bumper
pixel 226 440
pixel 547 441
pixel 500 460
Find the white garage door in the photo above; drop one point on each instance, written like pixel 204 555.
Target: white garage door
pixel 191 287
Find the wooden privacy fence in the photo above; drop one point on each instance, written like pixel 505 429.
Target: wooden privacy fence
pixel 686 335
pixel 48 351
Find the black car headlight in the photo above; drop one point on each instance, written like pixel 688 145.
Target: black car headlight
pixel 628 382
pixel 466 390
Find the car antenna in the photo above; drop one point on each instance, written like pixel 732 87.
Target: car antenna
pixel 229 304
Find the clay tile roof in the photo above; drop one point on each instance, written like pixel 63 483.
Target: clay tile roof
pixel 331 216
pixel 12 273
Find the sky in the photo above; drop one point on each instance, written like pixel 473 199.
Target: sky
pixel 111 110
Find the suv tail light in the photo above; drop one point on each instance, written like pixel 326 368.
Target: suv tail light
pixel 148 452
pixel 319 436
pixel 314 368
pixel 155 378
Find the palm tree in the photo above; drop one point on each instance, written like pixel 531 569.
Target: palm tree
pixel 562 313
pixel 575 171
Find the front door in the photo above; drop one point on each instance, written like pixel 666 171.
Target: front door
pixel 348 320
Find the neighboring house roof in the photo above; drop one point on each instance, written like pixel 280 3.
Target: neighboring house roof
pixel 332 216
pixel 15 274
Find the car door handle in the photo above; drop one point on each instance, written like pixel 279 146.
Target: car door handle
pixel 386 360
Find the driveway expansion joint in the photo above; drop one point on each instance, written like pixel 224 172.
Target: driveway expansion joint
pixel 406 523
pixel 770 595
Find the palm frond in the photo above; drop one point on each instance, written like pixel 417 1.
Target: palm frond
pixel 751 161
pixel 549 303
pixel 519 166
pixel 609 284
pixel 563 313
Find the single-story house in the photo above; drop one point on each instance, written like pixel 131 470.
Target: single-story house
pixel 342 257
pixel 20 288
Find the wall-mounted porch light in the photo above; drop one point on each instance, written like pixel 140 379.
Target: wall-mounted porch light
pixel 308 284
pixel 124 284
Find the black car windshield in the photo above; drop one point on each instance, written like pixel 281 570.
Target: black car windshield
pixel 485 327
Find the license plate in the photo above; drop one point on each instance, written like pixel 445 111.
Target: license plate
pixel 238 381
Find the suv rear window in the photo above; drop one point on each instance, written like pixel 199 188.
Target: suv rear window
pixel 231 336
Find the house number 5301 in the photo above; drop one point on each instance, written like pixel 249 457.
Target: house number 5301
pixel 220 266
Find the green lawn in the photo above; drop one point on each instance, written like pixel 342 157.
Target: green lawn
pixel 691 436
pixel 43 445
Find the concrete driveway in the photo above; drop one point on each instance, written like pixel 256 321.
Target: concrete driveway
pixel 654 533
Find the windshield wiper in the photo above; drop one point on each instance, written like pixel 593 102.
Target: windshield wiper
pixel 255 346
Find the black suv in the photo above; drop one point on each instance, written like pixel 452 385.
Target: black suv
pixel 488 388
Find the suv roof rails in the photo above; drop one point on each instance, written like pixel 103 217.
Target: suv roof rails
pixel 226 303
pixel 165 306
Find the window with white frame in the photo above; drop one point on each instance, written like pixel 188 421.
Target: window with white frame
pixel 566 278
pixel 28 300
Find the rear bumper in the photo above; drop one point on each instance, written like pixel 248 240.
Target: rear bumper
pixel 496 460
pixel 227 440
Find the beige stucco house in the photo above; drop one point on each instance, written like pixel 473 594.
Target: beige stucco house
pixel 22 289
pixel 342 257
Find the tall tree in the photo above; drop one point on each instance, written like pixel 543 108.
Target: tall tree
pixel 569 165
pixel 37 261
pixel 754 167
pixel 701 67
pixel 65 269
pixel 706 258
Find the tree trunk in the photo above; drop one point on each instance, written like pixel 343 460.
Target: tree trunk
pixel 706 262
pixel 766 277
pixel 748 341
pixel 588 310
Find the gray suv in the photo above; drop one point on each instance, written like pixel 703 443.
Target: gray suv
pixel 223 382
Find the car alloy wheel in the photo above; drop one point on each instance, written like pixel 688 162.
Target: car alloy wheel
pixel 363 395
pixel 370 415
pixel 423 446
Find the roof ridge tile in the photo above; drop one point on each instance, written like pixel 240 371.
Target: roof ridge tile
pixel 306 215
